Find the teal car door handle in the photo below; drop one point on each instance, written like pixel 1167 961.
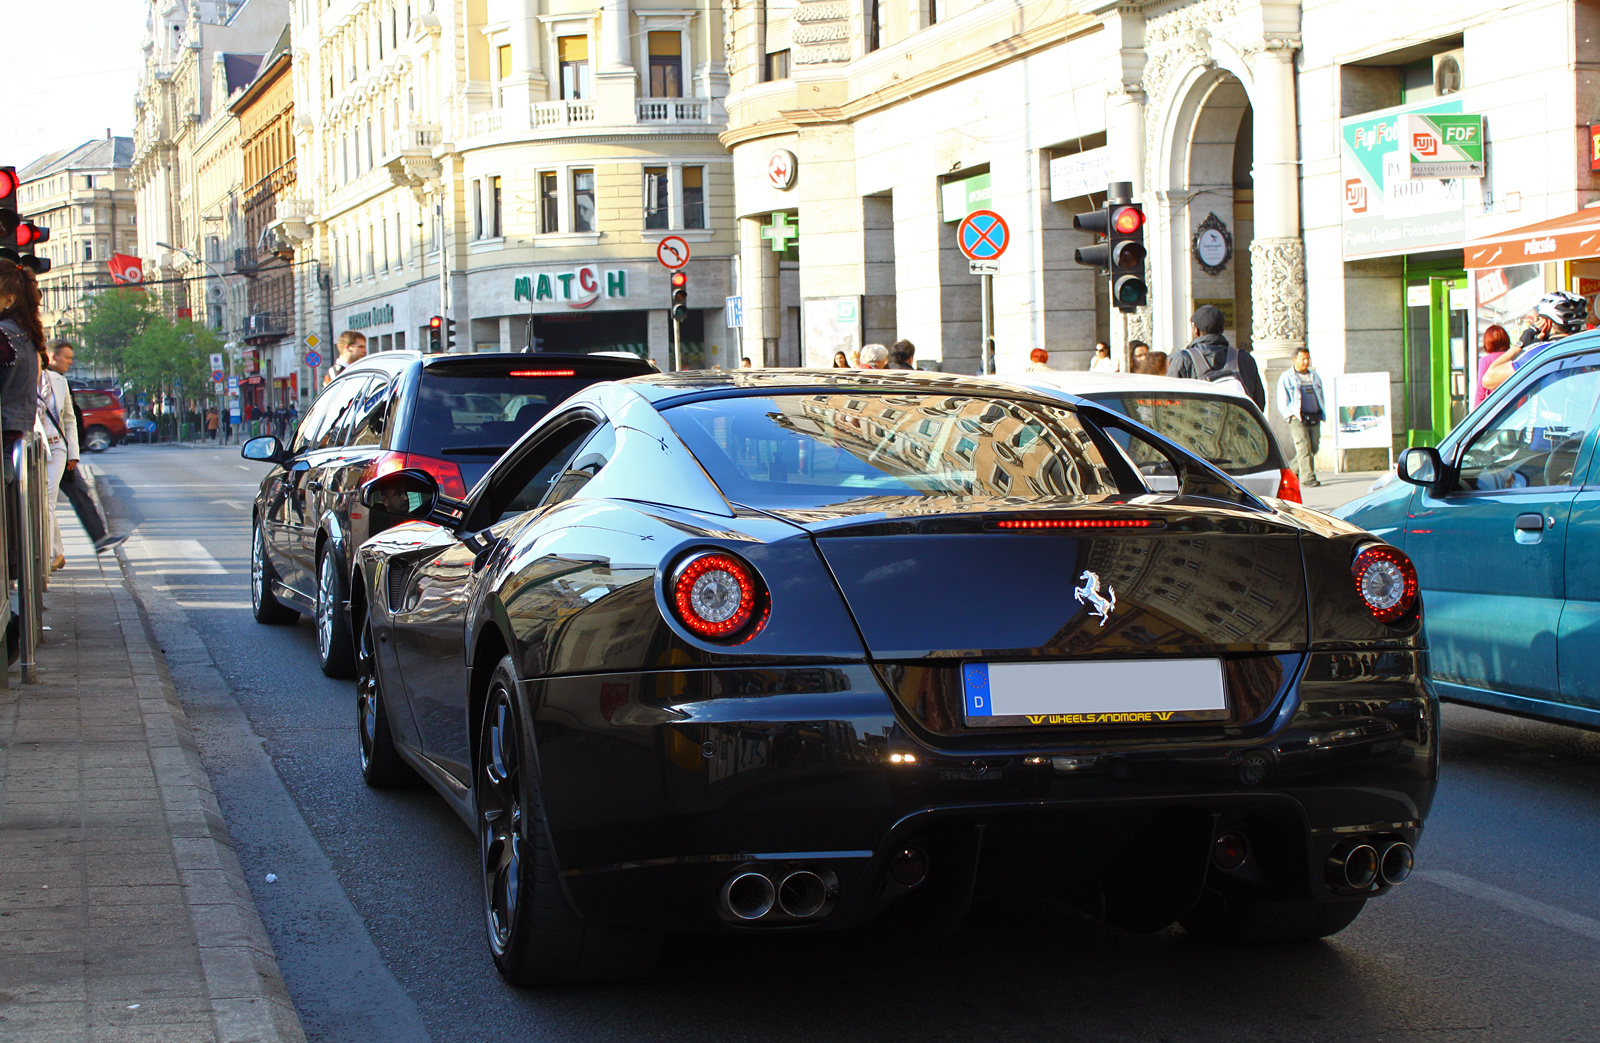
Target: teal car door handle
pixel 1529 528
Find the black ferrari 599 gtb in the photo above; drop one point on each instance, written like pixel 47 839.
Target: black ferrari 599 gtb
pixel 786 650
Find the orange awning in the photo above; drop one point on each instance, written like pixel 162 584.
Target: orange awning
pixel 1565 238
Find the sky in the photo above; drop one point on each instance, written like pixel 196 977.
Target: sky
pixel 73 75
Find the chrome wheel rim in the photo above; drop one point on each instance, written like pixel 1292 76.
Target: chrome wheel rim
pixel 258 577
pixel 500 818
pixel 325 595
pixel 367 693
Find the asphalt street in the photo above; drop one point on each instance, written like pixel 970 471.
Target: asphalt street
pixel 375 910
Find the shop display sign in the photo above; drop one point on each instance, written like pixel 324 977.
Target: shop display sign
pixel 967 196
pixel 1386 211
pixel 1594 146
pixel 1079 174
pixel 1444 145
pixel 577 288
pixel 1504 296
pixel 381 315
pixel 1360 407
pixel 830 324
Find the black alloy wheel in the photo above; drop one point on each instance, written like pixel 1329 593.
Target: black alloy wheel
pixel 534 936
pixel 381 765
pixel 265 607
pixel 335 651
pixel 1226 921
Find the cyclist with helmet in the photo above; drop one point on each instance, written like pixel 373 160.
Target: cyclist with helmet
pixel 1559 314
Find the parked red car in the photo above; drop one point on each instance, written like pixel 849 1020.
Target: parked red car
pixel 105 423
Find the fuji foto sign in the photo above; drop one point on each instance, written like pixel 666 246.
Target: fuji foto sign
pixel 1444 146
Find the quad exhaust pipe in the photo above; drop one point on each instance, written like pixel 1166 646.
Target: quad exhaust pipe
pixel 1363 865
pixel 782 894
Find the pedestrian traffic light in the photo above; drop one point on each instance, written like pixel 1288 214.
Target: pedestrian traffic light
pixel 1120 224
pixel 680 295
pixel 435 324
pixel 449 334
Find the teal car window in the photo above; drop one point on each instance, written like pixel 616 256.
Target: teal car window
pixel 1534 440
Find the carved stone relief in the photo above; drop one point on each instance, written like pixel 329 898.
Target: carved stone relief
pixel 1278 293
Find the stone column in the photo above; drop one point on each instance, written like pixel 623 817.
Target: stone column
pixel 1277 254
pixel 615 79
pixel 758 284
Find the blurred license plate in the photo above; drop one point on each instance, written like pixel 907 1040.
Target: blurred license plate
pixel 1155 691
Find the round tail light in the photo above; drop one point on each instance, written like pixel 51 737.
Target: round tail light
pixel 1386 581
pixel 715 594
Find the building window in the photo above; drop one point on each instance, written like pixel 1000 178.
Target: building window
pixel 549 203
pixel 477 209
pixel 86 215
pixel 88 250
pixel 666 65
pixel 779 32
pixel 386 244
pixel 874 24
pixel 88 181
pixel 657 206
pixel 495 229
pixel 694 197
pixel 573 52
pixel 777 65
pixel 583 200
pixel 502 67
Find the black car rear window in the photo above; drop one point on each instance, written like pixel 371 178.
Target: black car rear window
pixel 463 412
pixel 1214 427
pixel 813 450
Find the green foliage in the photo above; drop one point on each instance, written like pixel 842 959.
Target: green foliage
pixel 114 320
pixel 128 332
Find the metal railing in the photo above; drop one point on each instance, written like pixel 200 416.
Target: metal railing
pixel 27 510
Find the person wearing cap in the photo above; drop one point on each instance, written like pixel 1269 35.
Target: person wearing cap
pixel 1208 356
pixel 1559 314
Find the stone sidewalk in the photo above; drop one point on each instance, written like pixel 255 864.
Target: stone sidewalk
pixel 124 914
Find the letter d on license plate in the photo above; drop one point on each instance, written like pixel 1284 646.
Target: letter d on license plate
pixel 1155 691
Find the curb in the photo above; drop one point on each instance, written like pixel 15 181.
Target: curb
pixel 249 1000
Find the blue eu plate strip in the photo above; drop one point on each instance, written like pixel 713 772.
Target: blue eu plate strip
pixel 975 679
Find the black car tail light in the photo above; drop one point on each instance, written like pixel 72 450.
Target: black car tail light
pixel 717 595
pixel 446 473
pixel 1386 580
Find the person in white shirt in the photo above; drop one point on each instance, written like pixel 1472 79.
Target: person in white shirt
pixel 72 482
pixel 1302 404
pixel 59 426
pixel 1102 361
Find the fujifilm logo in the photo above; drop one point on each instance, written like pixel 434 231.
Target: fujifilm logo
pixel 1534 247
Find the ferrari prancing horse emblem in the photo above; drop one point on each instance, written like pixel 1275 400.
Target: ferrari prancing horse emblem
pixel 1090 592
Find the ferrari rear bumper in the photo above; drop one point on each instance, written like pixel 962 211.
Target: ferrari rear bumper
pixel 803 797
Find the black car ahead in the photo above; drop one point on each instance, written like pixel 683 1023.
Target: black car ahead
pixel 449 415
pixel 783 650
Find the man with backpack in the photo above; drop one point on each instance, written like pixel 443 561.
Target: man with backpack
pixel 1210 357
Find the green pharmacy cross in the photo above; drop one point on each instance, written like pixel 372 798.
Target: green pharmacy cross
pixel 781 232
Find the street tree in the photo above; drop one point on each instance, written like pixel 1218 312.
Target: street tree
pixel 114 320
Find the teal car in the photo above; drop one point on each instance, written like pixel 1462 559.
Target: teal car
pixel 1503 523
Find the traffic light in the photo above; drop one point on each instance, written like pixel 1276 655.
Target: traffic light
pixel 680 295
pixel 449 334
pixel 18 236
pixel 435 324
pixel 1120 224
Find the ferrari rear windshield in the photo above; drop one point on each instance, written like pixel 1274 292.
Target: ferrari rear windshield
pixel 813 450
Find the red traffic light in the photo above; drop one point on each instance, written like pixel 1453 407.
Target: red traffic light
pixel 680 279
pixel 1127 219
pixel 436 322
pixel 9 182
pixel 29 234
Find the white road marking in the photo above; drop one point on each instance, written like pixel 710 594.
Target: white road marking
pixel 235 504
pixel 244 467
pixel 1555 916
pixel 182 558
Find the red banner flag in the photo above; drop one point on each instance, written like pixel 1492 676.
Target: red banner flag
pixel 126 270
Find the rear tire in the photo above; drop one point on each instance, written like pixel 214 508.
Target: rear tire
pixel 336 653
pixel 534 935
pixel 263 605
pixel 1226 921
pixel 381 766
pixel 97 439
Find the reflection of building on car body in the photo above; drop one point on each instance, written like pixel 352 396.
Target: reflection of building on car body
pixel 777 650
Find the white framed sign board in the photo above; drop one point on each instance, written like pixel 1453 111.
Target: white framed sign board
pixel 1360 410
pixel 829 324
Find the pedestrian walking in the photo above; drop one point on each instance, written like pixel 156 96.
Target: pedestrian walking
pixel 1302 404
pixel 1155 363
pixel 352 348
pixel 59 428
pixel 1102 361
pixel 1139 351
pixel 901 353
pixel 211 424
pixel 1038 361
pixel 1209 356
pixel 1496 341
pixel 73 483
pixel 874 356
pixel 20 336
pixel 841 360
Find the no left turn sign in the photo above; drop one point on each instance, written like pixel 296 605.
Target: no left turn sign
pixel 672 252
